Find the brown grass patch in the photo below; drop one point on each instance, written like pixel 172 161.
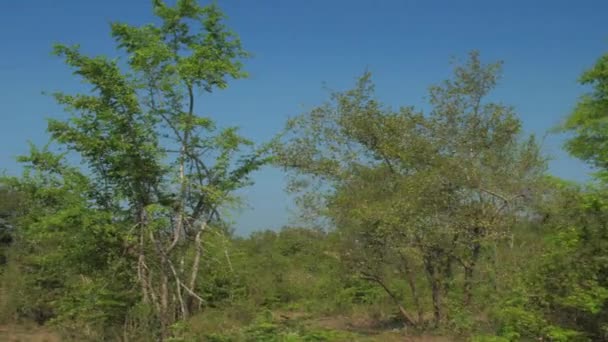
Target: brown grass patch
pixel 10 333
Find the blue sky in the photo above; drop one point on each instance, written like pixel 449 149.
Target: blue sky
pixel 299 46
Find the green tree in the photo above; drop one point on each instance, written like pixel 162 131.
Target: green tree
pixel 582 297
pixel 564 292
pixel 587 123
pixel 560 292
pixel 65 252
pixel 414 193
pixel 156 173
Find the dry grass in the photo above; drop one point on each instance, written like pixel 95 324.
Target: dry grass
pixel 10 333
pixel 370 328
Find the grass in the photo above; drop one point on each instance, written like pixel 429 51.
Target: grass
pixel 291 325
pixel 14 333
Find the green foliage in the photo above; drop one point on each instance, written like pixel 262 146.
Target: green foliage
pixel 588 120
pixel 10 209
pixel 563 292
pixel 411 194
pixel 265 328
pixel 125 229
pixel 293 266
pixel 75 276
pixel 443 219
pixel 487 338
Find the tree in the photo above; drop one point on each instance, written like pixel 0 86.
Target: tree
pixel 564 295
pixel 67 260
pixel 587 122
pixel 583 295
pixel 155 170
pixel 10 209
pixel 559 292
pixel 411 192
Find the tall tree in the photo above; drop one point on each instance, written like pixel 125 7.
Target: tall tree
pixel 157 168
pixel 414 192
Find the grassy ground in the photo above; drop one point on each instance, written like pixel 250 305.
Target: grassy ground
pixel 279 326
pixel 11 333
pixel 365 329
pixel 283 326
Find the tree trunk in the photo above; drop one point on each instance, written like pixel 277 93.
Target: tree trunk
pixel 411 281
pixel 407 318
pixel 468 285
pixel 448 275
pixel 141 269
pixel 433 277
pixel 436 293
pixel 469 270
pixel 195 266
pixel 164 299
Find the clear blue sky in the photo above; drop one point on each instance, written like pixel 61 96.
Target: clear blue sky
pixel 300 45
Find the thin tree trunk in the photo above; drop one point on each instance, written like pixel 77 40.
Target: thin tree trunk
pixel 408 320
pixel 433 277
pixel 153 296
pixel 411 281
pixel 166 315
pixel 495 264
pixel 469 270
pixel 145 275
pixel 141 268
pixel 197 260
pixel 448 273
pixel 436 294
pixel 164 296
pixel 178 291
pixel 468 285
